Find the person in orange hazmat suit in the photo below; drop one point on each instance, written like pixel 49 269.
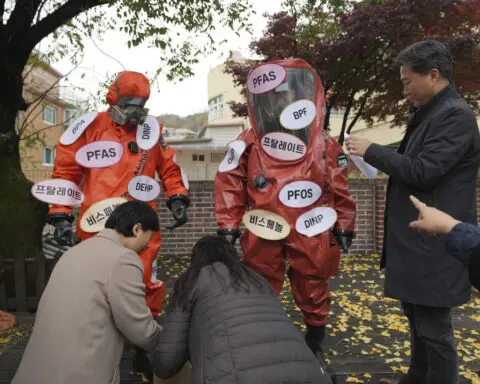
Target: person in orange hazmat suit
pixel 116 154
pixel 287 178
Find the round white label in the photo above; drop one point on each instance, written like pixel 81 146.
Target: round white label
pixel 265 78
pixel 99 154
pixel 235 150
pixel 300 194
pixel 94 218
pixel 298 115
pixel 185 179
pixel 58 192
pixel 265 224
pixel 316 221
pixel 283 146
pixel 148 134
pixel 75 130
pixel 143 188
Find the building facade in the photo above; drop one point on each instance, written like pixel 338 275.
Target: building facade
pixel 42 124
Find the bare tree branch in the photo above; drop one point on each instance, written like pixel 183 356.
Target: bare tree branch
pixel 351 98
pixel 61 16
pixel 359 111
pixel 44 129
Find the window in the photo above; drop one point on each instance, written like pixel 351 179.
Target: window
pixel 68 116
pixel 215 108
pixel 198 157
pixel 48 156
pixel 217 157
pixel 50 114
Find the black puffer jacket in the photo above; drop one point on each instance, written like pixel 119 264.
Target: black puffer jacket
pixel 234 337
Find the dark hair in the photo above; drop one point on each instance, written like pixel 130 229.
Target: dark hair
pixel 126 215
pixel 425 56
pixel 208 250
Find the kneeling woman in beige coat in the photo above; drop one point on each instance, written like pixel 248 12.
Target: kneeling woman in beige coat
pixel 94 301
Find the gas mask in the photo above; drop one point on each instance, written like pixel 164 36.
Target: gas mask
pixel 129 111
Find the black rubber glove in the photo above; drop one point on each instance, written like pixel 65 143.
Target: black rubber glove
pixel 229 234
pixel 64 234
pixel 178 205
pixel 344 238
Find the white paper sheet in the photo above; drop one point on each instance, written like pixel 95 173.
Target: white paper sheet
pixel 369 171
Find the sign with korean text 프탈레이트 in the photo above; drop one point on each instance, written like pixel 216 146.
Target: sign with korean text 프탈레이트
pixel 58 192
pixel 265 224
pixel 283 146
pixel 94 218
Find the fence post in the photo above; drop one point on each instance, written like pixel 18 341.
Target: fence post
pixel 20 283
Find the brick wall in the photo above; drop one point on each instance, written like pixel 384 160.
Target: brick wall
pixel 368 194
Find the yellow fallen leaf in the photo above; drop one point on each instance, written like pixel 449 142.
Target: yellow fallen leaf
pixel 352 379
pixel 5 340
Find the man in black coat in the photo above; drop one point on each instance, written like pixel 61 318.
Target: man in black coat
pixel 437 162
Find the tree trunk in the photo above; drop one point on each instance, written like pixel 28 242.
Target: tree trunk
pixel 21 216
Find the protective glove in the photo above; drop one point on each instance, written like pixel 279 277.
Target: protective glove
pixel 344 238
pixel 64 234
pixel 178 205
pixel 229 234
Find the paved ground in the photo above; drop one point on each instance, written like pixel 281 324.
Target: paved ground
pixel 368 335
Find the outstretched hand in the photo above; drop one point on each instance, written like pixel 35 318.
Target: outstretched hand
pixel 432 220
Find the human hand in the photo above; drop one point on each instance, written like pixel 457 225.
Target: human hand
pixel 357 145
pixel 432 220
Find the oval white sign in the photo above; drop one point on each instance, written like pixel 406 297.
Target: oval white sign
pixel 75 130
pixel 148 134
pixel 265 78
pixel 99 154
pixel 143 188
pixel 298 115
pixel 283 146
pixel 300 194
pixel 185 179
pixel 316 221
pixel 265 224
pixel 94 218
pixel 58 191
pixel 231 160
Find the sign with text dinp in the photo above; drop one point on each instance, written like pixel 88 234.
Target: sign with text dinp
pixel 148 133
pixel 316 221
pixel 58 192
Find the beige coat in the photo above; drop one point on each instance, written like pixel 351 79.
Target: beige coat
pixel 94 300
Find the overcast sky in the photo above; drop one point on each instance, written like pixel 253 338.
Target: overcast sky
pixel 182 98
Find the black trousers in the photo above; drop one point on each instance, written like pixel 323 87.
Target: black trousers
pixel 434 356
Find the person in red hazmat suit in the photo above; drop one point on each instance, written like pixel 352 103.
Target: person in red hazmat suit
pixel 115 154
pixel 287 179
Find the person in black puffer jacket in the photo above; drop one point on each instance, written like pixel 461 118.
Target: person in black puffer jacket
pixel 228 322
